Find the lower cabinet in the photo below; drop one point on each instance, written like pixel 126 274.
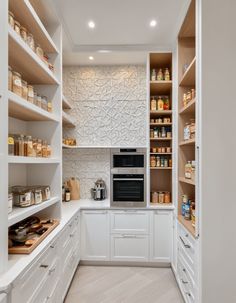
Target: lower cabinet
pixel 161 244
pixel 3 298
pixel 128 247
pixel 95 235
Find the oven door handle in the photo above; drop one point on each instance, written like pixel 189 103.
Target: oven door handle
pixel 128 179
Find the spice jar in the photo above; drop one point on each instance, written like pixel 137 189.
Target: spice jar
pixel 34 151
pixel 10 145
pixel 153 104
pixel 10 78
pixel 151 133
pixel 44 102
pixel 154 197
pixel 152 121
pixel 159 150
pixel 170 162
pixel 30 97
pixel 16 83
pixel 158 161
pixel 154 150
pixel 167 197
pixel 39 51
pixel 11 19
pixel 153 161
pixel 17 27
pixel 163 132
pixel 24 89
pixel 185 103
pixel 188 170
pixel 161 197
pixel 187 131
pixel 167 75
pixel 168 149
pixel 23 33
pixel 160 103
pixel 160 75
pixel 30 41
pixel 44 149
pixel 192 128
pixel 166 162
pixel 39 148
pixel 153 75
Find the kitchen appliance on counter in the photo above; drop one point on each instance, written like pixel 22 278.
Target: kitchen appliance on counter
pixel 128 177
pixel 99 190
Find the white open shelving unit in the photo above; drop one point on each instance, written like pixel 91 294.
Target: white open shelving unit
pixel 19 116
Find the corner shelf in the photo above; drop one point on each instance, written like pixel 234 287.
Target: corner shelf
pixel 23 11
pixel 20 108
pixel 22 58
pixel 187 181
pixel 187 142
pixel 187 224
pixel 67 120
pixel 188 78
pixel 65 103
pixel 160 112
pixel 189 109
pixel 32 160
pixel 20 213
pixel 160 87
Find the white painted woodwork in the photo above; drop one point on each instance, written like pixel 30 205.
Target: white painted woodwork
pixel 162 236
pixel 3 298
pixel 95 235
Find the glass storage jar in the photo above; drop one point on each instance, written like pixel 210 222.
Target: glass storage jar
pixel 30 41
pixel 44 149
pixel 154 197
pixel 29 149
pixel 17 27
pixel 11 19
pixel 39 101
pixel 39 148
pixel 30 97
pixel 10 78
pixel 21 145
pixel 49 151
pixel 44 103
pixel 39 51
pixel 23 33
pixel 11 145
pixel 24 89
pixel 49 108
pixel 16 83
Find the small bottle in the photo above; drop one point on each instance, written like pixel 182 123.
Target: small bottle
pixel 160 75
pixel 21 146
pixel 167 75
pixel 188 170
pixel 187 131
pixel 155 132
pixel 67 195
pixel 153 104
pixel 160 104
pixel 63 193
pixel 158 161
pixel 163 132
pixel 153 75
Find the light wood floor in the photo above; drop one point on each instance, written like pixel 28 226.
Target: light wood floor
pixel 103 284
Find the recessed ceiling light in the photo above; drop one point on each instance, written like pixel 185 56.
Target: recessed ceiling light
pixel 104 51
pixel 153 23
pixel 91 58
pixel 91 24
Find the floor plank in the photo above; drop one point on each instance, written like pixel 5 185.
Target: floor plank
pixel 109 284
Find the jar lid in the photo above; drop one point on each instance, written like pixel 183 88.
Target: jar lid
pixel 11 13
pixel 24 82
pixel 17 23
pixel 30 86
pixel 17 74
pixel 23 28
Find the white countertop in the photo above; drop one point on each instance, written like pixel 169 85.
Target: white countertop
pixel 18 263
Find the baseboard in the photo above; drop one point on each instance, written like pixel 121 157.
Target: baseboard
pixel 125 263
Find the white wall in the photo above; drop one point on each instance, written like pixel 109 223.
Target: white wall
pixel 218 182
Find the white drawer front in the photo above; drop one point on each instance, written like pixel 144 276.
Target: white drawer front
pixel 128 247
pixel 130 221
pixel 187 244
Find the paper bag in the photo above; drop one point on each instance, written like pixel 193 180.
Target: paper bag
pixel 74 187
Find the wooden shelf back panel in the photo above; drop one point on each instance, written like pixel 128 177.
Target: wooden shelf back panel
pixel 188 27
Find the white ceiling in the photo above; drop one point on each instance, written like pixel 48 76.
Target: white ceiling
pixel 122 26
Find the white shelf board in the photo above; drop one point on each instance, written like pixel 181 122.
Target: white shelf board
pixel 20 108
pixel 24 60
pixel 26 15
pixel 65 103
pixel 20 213
pixel 32 160
pixel 67 120
pixel 91 147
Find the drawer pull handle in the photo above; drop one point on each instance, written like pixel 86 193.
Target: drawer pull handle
pixel 185 245
pixel 52 270
pixel 129 236
pixel 188 294
pixel 44 266
pixel 52 246
pixel 71 235
pixel 184 282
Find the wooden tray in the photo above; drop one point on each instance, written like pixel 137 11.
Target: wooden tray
pixel 23 249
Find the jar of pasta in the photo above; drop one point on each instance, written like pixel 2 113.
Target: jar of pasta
pixel 49 151
pixel 17 27
pixel 30 97
pixel 16 83
pixel 11 19
pixel 29 146
pixel 23 33
pixel 30 41
pixel 24 89
pixel 9 78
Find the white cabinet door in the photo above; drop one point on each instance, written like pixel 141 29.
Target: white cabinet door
pixel 128 247
pixel 3 298
pixel 162 236
pixel 94 235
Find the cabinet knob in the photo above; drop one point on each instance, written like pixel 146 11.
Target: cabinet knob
pixel 184 282
pixel 188 294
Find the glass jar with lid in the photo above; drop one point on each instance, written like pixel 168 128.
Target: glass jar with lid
pixel 21 145
pixel 49 108
pixel 11 19
pixel 167 75
pixel 153 161
pixel 39 101
pixel 30 41
pixel 9 78
pixel 187 131
pixel 34 151
pixel 17 27
pixel 24 89
pixel 39 51
pixel 160 75
pixel 44 149
pixel 16 83
pixel 39 148
pixel 44 103
pixel 153 104
pixel 29 149
pixel 49 151
pixel 23 33
pixel 160 103
pixel 154 197
pixel 30 97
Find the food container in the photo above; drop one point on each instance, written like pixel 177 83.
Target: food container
pixel 17 27
pixel 24 89
pixel 167 197
pixel 153 161
pixel 154 197
pixel 39 51
pixel 16 83
pixel 10 145
pixel 30 97
pixel 163 149
pixel 161 197
pixel 23 33
pixel 30 41
pixel 49 106
pixel 38 99
pixel 159 150
pixel 11 19
pixel 10 78
pixel 38 198
pixel 46 193
pixel 22 196
pixel 168 149
pixel 10 202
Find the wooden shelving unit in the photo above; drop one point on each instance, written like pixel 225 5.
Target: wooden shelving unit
pixel 65 103
pixel 161 177
pixel 187 81
pixel 67 120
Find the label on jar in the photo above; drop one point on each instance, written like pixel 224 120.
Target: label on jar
pixel 10 140
pixel 30 94
pixel 17 82
pixel 25 199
